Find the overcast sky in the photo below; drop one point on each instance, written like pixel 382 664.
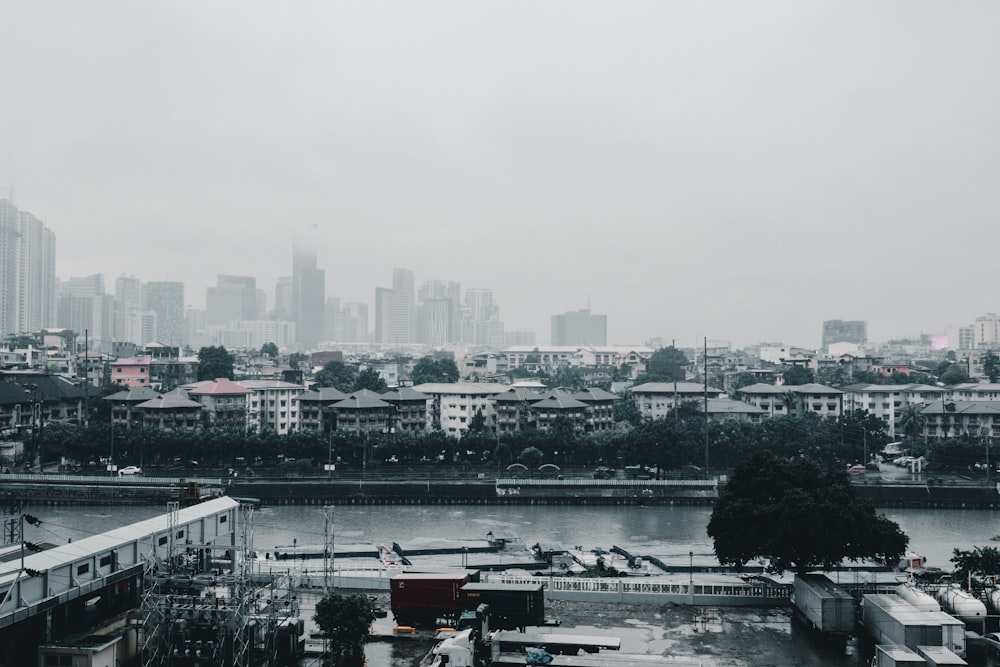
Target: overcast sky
pixel 736 170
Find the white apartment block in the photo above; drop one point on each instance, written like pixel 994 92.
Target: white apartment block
pixel 888 401
pixel 273 404
pixel 453 405
pixel 655 400
pixel 784 399
pixel 552 356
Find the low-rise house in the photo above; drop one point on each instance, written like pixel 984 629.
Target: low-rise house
pixel 364 411
pixel 600 412
pixel 314 408
pixel 454 404
pixel 795 399
pixel 948 419
pixel 131 372
pixel 124 403
pixel 273 404
pixel 412 409
pixel 171 411
pixel 655 400
pixel 728 409
pixel 559 403
pixel 224 402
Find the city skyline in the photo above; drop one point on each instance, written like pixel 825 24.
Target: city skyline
pixel 729 171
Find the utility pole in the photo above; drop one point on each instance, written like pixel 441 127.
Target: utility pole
pixel 705 364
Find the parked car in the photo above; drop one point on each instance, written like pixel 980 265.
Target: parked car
pixel 856 469
pixel 129 470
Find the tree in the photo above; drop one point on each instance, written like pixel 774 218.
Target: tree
pixel 912 421
pixel 666 365
pixel 797 375
pixel 531 457
pixel 979 564
pixel 337 374
pixel 427 369
pixel 370 379
pixel 626 410
pixel 798 515
pixel 296 359
pixel 478 423
pixel 991 366
pixel 269 350
pixel 345 621
pixel 215 362
pixel 954 374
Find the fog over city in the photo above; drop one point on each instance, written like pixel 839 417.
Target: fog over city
pixel 741 171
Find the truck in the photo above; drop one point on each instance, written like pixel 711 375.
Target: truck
pixel 890 619
pixel 823 605
pixel 510 605
pixel 421 599
pixel 894 655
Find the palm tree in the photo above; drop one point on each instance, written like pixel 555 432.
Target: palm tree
pixel 912 421
pixel 792 401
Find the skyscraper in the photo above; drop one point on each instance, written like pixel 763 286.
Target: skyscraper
pixel 355 323
pixel 232 298
pixel 166 299
pixel 86 308
pixel 394 310
pixel 129 322
pixel 308 290
pixel 579 327
pixel 27 272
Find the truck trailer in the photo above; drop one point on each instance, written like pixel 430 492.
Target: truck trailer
pixel 889 619
pixel 510 605
pixel 420 599
pixel 823 605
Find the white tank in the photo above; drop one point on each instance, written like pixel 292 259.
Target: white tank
pixel 961 603
pixel 993 598
pixel 920 599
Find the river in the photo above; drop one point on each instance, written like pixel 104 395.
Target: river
pixel 669 532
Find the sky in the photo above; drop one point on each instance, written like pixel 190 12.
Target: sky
pixel 733 170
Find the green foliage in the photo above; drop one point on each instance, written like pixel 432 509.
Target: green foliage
pixel 567 377
pixel 215 362
pixel 477 424
pixel 337 374
pixel 346 623
pixel 370 379
pixel 980 564
pixel 296 359
pixel 531 457
pixel 912 422
pixel 951 373
pixel 665 365
pixel 269 350
pixel 991 366
pixel 798 515
pixel 427 369
pixel 626 410
pixel 797 375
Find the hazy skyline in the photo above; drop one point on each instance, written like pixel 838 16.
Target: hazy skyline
pixel 741 171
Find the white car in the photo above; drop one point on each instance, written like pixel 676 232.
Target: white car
pixel 130 470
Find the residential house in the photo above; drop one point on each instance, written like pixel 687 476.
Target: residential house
pixel 131 372
pixel 796 399
pixel 364 411
pixel 224 402
pixel 412 409
pixel 948 419
pixel 314 408
pixel 171 411
pixel 273 404
pixel 655 400
pixel 454 404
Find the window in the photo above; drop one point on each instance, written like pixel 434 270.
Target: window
pixel 105 560
pixel 83 568
pixel 162 541
pixel 223 518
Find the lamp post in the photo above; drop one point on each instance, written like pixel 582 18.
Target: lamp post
pixel 691 575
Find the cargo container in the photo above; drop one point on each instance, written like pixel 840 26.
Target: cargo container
pixel 894 655
pixel 939 656
pixel 823 605
pixel 510 605
pixel 889 619
pixel 420 599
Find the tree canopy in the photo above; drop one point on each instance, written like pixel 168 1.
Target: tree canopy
pixel 370 379
pixel 215 362
pixel 797 375
pixel 345 621
pixel 798 515
pixel 428 369
pixel 336 374
pixel 665 365
pixel 991 366
pixel 269 350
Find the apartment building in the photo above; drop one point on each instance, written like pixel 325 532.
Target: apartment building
pixel 453 405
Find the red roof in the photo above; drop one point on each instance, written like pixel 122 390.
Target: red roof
pixel 218 387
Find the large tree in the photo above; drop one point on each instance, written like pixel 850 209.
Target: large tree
pixel 345 621
pixel 991 366
pixel 428 369
pixel 215 362
pixel 370 379
pixel 337 374
pixel 796 375
pixel 665 365
pixel 798 515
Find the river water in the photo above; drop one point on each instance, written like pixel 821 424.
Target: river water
pixel 669 532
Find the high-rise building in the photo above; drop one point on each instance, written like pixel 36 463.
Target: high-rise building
pixel 579 327
pixel 355 323
pixel 36 274
pixel 166 299
pixel 28 285
pixel 284 298
pixel 434 322
pixel 85 308
pixel 232 298
pixel 334 319
pixel 130 320
pixel 308 291
pixel 844 331
pixel 986 331
pixel 395 321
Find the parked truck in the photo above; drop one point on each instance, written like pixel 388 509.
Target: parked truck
pixel 510 605
pixel 891 620
pixel 421 599
pixel 895 655
pixel 823 605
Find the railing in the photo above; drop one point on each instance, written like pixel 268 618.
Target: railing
pixel 628 586
pixel 611 483
pixel 121 480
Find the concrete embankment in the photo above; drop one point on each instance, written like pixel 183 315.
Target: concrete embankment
pixel 337 492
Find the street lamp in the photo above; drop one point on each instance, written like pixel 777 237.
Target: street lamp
pixel 691 575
